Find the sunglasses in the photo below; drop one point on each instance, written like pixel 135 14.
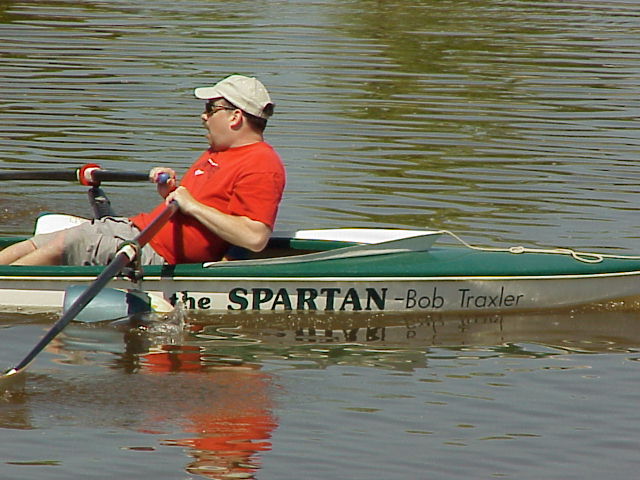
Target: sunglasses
pixel 210 108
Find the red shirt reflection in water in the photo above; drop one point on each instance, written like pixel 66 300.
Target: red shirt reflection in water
pixel 231 428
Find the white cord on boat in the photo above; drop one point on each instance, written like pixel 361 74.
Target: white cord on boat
pixel 586 257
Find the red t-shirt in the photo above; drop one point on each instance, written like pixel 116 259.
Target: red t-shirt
pixel 245 181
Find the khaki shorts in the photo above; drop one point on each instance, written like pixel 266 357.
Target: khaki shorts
pixel 97 241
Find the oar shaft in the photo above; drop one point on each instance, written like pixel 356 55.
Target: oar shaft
pixel 157 223
pixel 97 175
pixel 117 264
pixel 123 257
pixel 62 175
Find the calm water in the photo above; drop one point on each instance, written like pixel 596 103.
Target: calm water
pixel 506 121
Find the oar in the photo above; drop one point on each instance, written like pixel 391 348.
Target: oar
pixel 86 176
pixel 123 257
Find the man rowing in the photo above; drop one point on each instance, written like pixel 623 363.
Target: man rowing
pixel 229 196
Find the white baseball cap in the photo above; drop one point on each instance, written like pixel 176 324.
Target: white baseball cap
pixel 246 93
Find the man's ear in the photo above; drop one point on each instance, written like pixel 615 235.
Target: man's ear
pixel 236 119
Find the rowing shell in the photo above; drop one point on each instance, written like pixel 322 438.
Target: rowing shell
pixel 350 270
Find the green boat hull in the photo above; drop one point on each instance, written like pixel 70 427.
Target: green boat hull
pixel 337 276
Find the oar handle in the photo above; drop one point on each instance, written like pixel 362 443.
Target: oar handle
pixel 112 176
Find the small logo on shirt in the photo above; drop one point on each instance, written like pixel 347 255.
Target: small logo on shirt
pixel 198 172
pixel 212 163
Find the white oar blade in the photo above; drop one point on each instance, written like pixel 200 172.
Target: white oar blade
pixel 112 304
pixel 109 304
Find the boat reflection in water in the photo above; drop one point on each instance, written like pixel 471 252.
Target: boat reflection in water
pixel 210 388
pixel 607 327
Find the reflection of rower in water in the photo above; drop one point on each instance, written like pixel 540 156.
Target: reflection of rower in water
pixel 225 430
